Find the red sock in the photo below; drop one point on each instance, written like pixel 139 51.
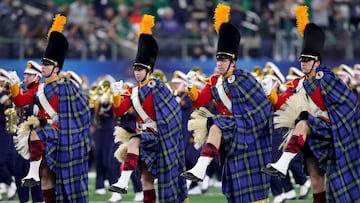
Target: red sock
pixel 320 197
pixel 149 196
pixel 131 161
pixel 121 167
pixel 209 150
pixel 49 195
pixel 295 144
pixel 37 149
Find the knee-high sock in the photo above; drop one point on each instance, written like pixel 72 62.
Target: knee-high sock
pixel 320 197
pixel 295 144
pixel 49 195
pixel 37 149
pixel 208 152
pixel 131 161
pixel 149 196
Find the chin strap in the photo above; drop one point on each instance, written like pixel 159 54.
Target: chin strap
pixel 52 70
pixel 227 70
pixel 307 74
pixel 146 76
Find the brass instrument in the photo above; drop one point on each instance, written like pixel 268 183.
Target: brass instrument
pixel 93 97
pixel 258 73
pixel 11 120
pixel 159 74
pixel 100 93
pixel 104 92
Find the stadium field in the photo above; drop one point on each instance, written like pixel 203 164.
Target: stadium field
pixel 213 195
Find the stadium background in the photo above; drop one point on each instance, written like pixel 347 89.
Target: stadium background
pixel 103 34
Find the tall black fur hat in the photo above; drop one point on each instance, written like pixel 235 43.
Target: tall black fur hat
pixel 57 44
pixel 229 35
pixel 314 36
pixel 147 45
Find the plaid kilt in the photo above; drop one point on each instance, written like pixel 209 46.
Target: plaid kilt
pixel 246 139
pixel 337 144
pixel 66 150
pixel 164 153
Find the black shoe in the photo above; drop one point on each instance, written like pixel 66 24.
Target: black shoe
pixel 29 182
pixel 272 171
pixel 188 175
pixel 117 189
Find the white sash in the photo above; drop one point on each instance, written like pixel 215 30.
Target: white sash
pixel 45 103
pixel 137 106
pixel 300 84
pixel 223 97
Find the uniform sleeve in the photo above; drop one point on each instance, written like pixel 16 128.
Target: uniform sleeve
pixel 22 99
pixel 123 107
pixel 278 100
pixel 203 98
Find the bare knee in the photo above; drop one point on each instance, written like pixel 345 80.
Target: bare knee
pixel 317 182
pixel 147 180
pixel 214 130
pixel 317 176
pixel 133 145
pixel 47 177
pixel 214 136
pixel 34 135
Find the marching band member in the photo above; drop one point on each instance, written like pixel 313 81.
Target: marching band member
pixel 157 145
pixel 324 116
pixel 241 132
pixel 32 77
pixel 59 133
pixel 282 189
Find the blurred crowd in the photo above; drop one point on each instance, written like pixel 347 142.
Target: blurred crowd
pixel 107 29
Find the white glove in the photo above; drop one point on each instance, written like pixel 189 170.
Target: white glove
pixel 267 85
pixel 117 87
pixel 190 78
pixel 13 78
pixel 178 99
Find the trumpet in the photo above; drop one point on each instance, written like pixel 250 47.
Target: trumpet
pixel 258 73
pixel 11 120
pixel 104 91
pixel 93 97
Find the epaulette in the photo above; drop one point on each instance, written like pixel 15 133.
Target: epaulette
pixel 210 80
pixel 290 84
pixel 126 93
pixel 207 81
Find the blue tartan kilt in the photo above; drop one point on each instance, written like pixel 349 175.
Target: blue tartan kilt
pixel 49 136
pixel 322 148
pixel 242 178
pixel 149 151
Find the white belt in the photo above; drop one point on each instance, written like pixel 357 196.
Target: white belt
pixel 144 126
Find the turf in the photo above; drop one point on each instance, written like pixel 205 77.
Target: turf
pixel 213 195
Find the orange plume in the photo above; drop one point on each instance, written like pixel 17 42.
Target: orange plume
pixel 302 18
pixel 221 16
pixel 147 23
pixel 58 24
